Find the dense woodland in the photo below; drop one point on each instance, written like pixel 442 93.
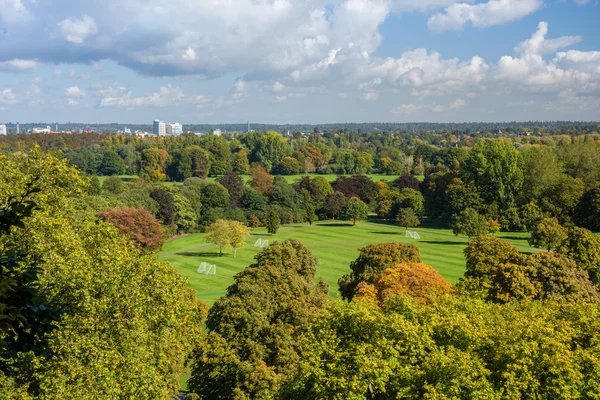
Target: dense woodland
pixel 88 311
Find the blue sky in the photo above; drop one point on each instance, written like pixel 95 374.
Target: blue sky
pixel 290 61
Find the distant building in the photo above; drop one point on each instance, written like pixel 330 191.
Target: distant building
pixel 3 130
pixel 160 128
pixel 217 132
pixel 127 130
pixel 18 128
pixel 47 129
pixel 175 129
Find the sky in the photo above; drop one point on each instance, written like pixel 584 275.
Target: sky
pixel 299 61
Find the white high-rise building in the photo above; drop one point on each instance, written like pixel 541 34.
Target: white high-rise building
pixel 217 132
pixel 176 129
pixel 160 128
pixel 3 130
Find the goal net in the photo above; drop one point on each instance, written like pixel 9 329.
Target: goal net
pixel 207 269
pixel 413 235
pixel 262 243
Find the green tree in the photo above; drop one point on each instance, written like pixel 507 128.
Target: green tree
pixel 541 171
pixel 114 185
pixel 469 223
pixel 335 204
pixel 271 221
pixel 259 330
pixel 235 186
pixel 220 154
pixel 95 188
pixel 355 209
pixel 372 261
pixel 241 165
pixel 166 206
pixel 200 161
pixel 494 169
pixel 289 166
pixel 548 234
pixel 531 215
pixel 153 164
pixel 583 247
pixel 458 197
pixel 588 210
pixel 111 164
pixel 308 206
pixel 26 316
pixel 562 197
pixel 407 218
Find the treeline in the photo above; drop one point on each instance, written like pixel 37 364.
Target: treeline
pixel 493 185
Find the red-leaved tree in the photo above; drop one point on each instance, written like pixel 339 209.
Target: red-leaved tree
pixel 140 225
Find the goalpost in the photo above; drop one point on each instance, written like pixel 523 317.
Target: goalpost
pixel 413 235
pixel 207 269
pixel 262 243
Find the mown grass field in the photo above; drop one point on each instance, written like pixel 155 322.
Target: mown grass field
pixel 335 244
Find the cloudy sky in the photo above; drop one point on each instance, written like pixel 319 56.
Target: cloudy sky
pixel 299 61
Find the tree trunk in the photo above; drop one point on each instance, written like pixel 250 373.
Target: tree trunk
pixel 234 252
pixel 354 222
pixel 220 250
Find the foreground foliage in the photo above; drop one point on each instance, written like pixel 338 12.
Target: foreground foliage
pixel 128 322
pixel 258 331
pixel 456 348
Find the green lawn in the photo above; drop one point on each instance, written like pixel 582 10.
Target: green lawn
pixel 334 244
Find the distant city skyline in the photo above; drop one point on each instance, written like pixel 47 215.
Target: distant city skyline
pixel 310 62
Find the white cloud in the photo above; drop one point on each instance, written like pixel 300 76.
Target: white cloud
pixel 76 30
pixel 278 87
pixel 530 70
pixel 407 109
pixel 17 65
pixel 494 12
pixel 576 56
pixel 189 54
pixel 427 73
pixel 74 91
pixel 370 96
pixel 118 96
pixel 457 104
pixel 8 97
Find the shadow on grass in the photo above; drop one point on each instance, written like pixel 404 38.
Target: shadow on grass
pixel 444 242
pixel 261 234
pixel 199 254
pixel 513 237
pixel 386 233
pixel 335 225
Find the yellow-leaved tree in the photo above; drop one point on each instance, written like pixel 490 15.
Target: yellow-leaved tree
pixel 225 234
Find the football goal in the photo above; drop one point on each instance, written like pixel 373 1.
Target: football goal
pixel 262 243
pixel 207 269
pixel 413 235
